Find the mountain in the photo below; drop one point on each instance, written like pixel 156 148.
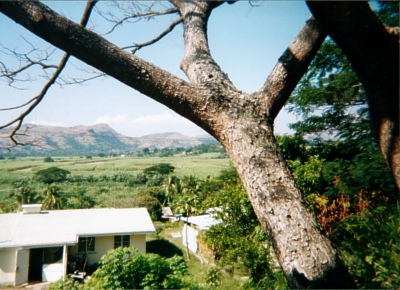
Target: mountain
pixel 83 140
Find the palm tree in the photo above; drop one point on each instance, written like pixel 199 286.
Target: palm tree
pixel 52 199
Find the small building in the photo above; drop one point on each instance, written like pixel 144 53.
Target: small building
pixel 44 246
pixel 194 224
pixel 167 213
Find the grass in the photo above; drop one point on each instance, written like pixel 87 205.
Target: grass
pixel 104 193
pixel 200 166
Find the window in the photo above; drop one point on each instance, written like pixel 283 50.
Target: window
pixel 122 241
pixel 86 244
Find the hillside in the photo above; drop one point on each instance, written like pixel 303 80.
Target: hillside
pixel 99 138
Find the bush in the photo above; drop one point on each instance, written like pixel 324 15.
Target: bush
pixel 51 175
pixel 124 268
pixel 48 159
pixel 369 244
pixel 161 168
pixel 213 276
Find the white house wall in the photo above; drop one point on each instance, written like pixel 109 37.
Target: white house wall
pixel 106 243
pixel 7 266
pixel 52 272
pixel 139 242
pixel 192 238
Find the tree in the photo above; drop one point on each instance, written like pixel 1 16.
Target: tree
pixel 160 168
pixel 48 159
pixel 51 197
pixel 359 35
pixel 243 122
pixel 342 162
pixel 51 175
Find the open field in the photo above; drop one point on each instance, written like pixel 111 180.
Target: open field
pixel 200 166
pixel 103 192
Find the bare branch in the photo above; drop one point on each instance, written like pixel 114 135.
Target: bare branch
pixel 36 100
pixel 19 106
pixel 27 59
pixel 79 81
pixel 154 40
pixel 136 17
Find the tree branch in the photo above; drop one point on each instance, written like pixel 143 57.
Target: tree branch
pixel 197 62
pixel 373 50
pixel 291 67
pixel 136 47
pixel 36 100
pixel 96 51
pixel 138 16
pixel 26 58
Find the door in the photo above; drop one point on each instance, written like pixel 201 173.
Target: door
pixel 35 265
pixel 21 274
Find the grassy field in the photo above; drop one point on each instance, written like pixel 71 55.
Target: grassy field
pixel 105 194
pixel 198 165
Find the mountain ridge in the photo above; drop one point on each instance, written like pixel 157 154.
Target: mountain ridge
pixel 94 139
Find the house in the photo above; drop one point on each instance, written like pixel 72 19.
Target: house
pixel 194 224
pixel 44 246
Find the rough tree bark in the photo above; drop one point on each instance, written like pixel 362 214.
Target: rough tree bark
pixel 242 122
pixel 373 50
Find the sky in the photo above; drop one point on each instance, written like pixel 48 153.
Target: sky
pixel 246 40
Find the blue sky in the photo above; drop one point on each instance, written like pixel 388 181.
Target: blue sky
pixel 245 40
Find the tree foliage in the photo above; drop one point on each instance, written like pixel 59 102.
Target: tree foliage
pixel 369 243
pixel 238 241
pixel 51 175
pixel 160 168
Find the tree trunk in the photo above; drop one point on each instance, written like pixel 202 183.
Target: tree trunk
pixel 306 256
pixel 242 122
pixel 373 50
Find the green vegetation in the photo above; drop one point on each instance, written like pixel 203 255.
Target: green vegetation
pixel 52 175
pixel 124 268
pixel 338 183
pixel 332 156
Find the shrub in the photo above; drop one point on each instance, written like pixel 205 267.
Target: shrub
pixel 369 244
pixel 213 276
pixel 124 268
pixel 51 175
pixel 48 159
pixel 161 168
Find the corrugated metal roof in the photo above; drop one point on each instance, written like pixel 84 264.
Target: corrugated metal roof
pixel 203 222
pixel 59 227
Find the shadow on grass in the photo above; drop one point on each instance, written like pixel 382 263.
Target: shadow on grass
pixel 163 247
